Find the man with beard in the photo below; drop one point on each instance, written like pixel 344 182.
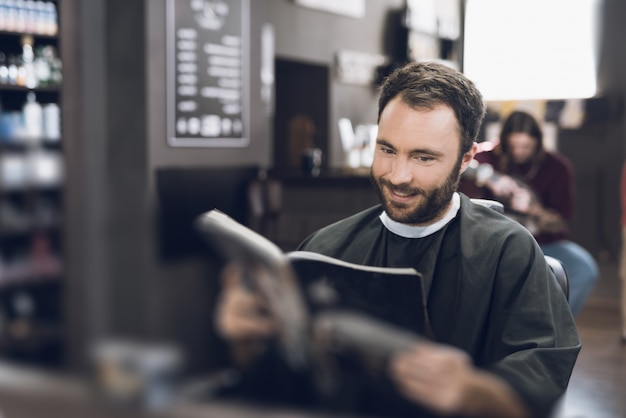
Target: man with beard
pixel 503 338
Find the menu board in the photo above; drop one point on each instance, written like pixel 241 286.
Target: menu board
pixel 207 67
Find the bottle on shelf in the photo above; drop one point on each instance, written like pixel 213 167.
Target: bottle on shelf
pixel 42 67
pixel 56 66
pixel 42 17
pixel 21 71
pixel 28 60
pixel 52 122
pixel 20 16
pixel 3 15
pixel 44 167
pixel 10 22
pixel 13 70
pixel 13 176
pixel 31 16
pixel 33 118
pixel 4 69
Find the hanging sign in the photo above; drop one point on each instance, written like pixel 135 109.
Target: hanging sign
pixel 207 67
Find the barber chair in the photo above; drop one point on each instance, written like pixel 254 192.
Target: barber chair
pixel 555 265
pixel 493 204
pixel 559 272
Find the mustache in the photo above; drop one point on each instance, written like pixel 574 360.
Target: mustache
pixel 401 189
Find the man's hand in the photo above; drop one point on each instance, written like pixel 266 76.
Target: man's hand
pixel 434 376
pixel 443 379
pixel 242 317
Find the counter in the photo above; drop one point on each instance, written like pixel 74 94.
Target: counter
pixel 307 203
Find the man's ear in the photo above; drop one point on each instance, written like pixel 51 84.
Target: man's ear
pixel 468 157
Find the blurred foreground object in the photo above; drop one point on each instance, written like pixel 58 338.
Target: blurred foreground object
pixel 137 374
pixel 327 326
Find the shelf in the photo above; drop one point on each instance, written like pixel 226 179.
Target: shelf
pixel 26 231
pixel 30 188
pixel 32 263
pixel 25 331
pixel 34 35
pixel 32 342
pixel 26 280
pixel 25 145
pixel 12 87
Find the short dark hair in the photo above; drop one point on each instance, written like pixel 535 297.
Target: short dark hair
pixel 428 84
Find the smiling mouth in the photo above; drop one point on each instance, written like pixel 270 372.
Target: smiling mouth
pixel 402 195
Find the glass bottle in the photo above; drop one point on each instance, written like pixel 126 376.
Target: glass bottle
pixel 28 60
pixel 4 69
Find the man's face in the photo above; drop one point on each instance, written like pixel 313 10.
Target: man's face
pixel 416 164
pixel 521 147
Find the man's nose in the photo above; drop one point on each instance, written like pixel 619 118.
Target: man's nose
pixel 400 172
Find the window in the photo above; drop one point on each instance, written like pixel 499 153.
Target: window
pixel 532 49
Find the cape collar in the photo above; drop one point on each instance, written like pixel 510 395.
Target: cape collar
pixel 410 231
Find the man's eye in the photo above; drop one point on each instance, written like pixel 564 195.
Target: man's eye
pixel 387 150
pixel 424 158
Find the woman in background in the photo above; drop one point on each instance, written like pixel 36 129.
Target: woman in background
pixel 536 187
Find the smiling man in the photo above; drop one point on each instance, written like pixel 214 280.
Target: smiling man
pixel 503 340
pixel 416 166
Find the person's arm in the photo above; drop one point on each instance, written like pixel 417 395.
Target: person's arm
pixel 547 220
pixel 557 203
pixel 242 318
pixel 519 197
pixel 444 379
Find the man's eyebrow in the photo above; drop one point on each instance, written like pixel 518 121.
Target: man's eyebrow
pixel 421 151
pixel 431 152
pixel 381 141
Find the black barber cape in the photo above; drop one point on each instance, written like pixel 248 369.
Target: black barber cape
pixel 489 293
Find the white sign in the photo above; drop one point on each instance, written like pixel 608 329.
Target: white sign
pixel 352 8
pixel 355 67
pixel 207 73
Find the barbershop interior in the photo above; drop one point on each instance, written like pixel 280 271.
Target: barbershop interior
pixel 123 123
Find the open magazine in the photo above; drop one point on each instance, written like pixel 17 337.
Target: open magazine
pixel 374 310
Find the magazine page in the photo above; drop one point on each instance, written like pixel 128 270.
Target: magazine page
pixel 392 295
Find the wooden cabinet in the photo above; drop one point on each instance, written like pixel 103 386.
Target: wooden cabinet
pixel 310 203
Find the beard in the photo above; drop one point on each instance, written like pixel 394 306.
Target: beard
pixel 436 200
